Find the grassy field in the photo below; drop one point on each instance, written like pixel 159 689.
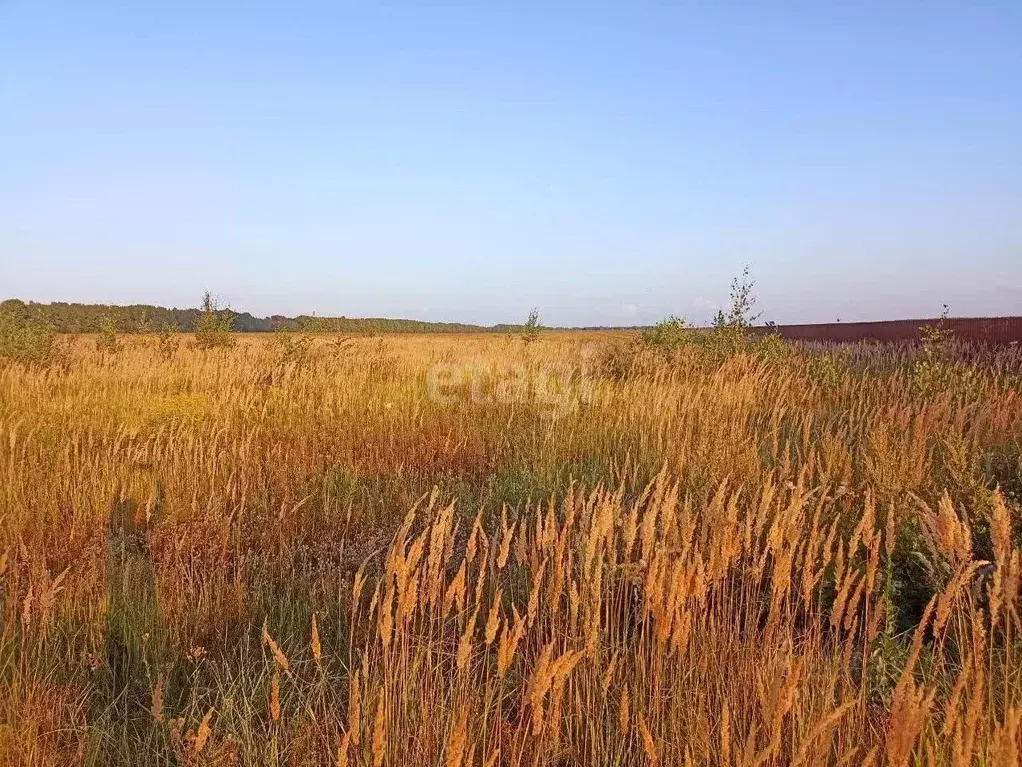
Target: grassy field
pixel 473 550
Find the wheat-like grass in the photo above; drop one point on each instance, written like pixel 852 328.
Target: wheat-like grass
pixel 706 561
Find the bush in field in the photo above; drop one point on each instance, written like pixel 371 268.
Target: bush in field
pixel 530 331
pixel 941 365
pixel 730 334
pixel 167 341
pixel 667 336
pixel 107 341
pixel 293 348
pixel 772 348
pixel 933 369
pixel 826 369
pixel 25 337
pixel 214 325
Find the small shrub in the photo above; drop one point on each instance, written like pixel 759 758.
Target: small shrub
pixel 28 339
pixel 772 348
pixel 530 331
pixel 107 341
pixel 827 369
pixel 167 341
pixel 935 370
pixel 667 336
pixel 741 315
pixel 730 333
pixel 942 366
pixel 214 325
pixel 937 338
pixel 293 348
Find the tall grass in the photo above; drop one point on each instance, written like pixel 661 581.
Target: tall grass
pixel 246 555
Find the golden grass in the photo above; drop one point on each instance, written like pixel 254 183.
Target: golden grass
pixel 228 557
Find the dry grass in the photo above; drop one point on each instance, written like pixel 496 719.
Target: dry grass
pixel 240 557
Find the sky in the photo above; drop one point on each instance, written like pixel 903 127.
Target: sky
pixel 606 163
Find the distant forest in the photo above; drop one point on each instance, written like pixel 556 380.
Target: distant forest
pixel 142 318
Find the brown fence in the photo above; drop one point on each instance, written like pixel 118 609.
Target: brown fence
pixel 982 330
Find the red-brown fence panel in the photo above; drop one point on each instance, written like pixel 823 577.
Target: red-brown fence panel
pixel 980 330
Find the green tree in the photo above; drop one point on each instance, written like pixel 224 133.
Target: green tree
pixel 742 313
pixel 214 325
pixel 933 370
pixel 730 333
pixel 107 340
pixel 667 336
pixel 27 337
pixel 530 331
pixel 167 341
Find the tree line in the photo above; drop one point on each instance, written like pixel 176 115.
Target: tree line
pixel 144 318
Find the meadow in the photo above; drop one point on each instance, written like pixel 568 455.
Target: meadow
pixel 486 550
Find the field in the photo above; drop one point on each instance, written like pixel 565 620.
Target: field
pixel 978 330
pixel 475 550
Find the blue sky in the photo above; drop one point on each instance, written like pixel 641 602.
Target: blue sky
pixel 606 163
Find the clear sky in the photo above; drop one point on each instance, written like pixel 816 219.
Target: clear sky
pixel 606 163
